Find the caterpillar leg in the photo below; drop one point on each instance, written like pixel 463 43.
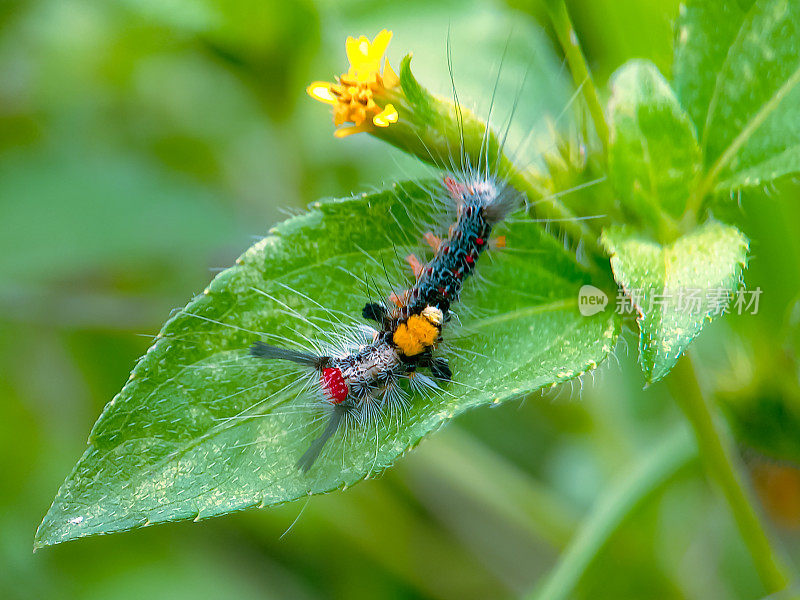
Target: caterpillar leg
pixel 440 369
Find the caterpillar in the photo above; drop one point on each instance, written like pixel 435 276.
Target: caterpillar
pixel 358 382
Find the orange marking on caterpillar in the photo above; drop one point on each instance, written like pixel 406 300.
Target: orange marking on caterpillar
pixel 499 242
pixel 397 300
pixel 433 241
pixel 416 266
pixel 454 188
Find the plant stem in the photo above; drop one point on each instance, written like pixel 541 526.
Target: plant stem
pixel 550 208
pixel 719 461
pixel 644 479
pixel 577 64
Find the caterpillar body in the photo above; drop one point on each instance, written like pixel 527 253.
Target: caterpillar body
pixel 362 382
pixel 480 205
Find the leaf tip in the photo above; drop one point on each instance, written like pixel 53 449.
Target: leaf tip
pixel 42 539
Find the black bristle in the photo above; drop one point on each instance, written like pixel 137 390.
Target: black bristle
pixel 508 199
pixel 374 312
pixel 269 352
pixel 306 461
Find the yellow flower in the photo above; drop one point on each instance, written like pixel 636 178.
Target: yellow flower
pixel 365 57
pixel 354 94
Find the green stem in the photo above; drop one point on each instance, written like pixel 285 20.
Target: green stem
pixel 646 477
pixel 720 464
pixel 550 208
pixel 577 64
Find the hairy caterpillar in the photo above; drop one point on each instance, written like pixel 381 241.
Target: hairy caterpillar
pixel 360 382
pixel 358 379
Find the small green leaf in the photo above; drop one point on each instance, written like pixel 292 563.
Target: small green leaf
pixel 738 73
pixel 769 169
pixel 675 288
pixel 654 159
pixel 418 97
pixel 202 429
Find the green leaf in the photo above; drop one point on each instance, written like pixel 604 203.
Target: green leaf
pixel 704 34
pixel 202 429
pixel 654 158
pixel 737 72
pixel 675 289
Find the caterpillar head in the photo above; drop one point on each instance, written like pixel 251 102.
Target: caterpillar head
pixel 433 315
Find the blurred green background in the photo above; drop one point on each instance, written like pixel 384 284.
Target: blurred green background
pixel 146 143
